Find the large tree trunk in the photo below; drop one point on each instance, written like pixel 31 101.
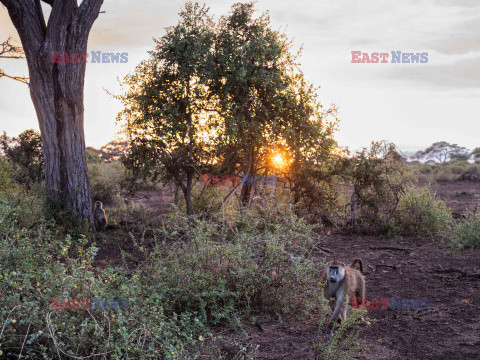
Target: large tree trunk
pixel 57 92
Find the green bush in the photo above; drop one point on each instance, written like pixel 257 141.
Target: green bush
pixel 26 156
pixel 421 213
pixel 42 265
pixel 7 182
pixel 425 168
pixel 224 267
pixel 106 179
pixel 195 273
pixel 466 233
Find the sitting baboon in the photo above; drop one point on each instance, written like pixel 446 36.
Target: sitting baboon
pixel 99 217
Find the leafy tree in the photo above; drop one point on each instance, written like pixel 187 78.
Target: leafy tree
pixel 57 91
pixel 313 154
pixel 252 75
pixel 167 115
pixel 25 154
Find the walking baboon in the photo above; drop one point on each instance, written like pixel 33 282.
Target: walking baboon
pixel 99 217
pixel 342 281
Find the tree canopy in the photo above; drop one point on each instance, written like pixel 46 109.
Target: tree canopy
pixel 224 96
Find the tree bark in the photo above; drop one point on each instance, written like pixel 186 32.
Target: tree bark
pixel 56 90
pixel 250 173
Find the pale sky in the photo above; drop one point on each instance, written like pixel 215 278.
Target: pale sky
pixel 412 105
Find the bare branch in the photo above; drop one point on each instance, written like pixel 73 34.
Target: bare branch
pixel 22 79
pixel 10 51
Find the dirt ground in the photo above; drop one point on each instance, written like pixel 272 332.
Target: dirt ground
pixel 412 268
pixel 448 329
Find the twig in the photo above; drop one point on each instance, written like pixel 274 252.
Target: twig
pixel 325 250
pixel 449 271
pixel 20 355
pixel 463 274
pixel 390 248
pixel 50 329
pixel 387 266
pixel 3 327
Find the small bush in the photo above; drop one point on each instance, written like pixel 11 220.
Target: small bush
pixel 421 213
pixel 7 182
pixel 345 343
pixel 466 233
pixel 106 180
pixel 26 156
pixel 425 169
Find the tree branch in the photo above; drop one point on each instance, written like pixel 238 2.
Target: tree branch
pixel 12 52
pixel 88 12
pixel 21 79
pixel 27 17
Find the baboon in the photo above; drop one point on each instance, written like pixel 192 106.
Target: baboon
pixel 360 265
pixel 99 217
pixel 342 281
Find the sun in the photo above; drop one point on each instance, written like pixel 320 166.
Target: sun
pixel 278 160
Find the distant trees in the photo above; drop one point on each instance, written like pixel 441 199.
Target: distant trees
pixel 443 152
pixel 25 154
pixel 223 95
pixel 476 154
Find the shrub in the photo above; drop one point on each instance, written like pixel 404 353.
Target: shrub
pixel 378 176
pixel 345 343
pixel 41 266
pixel 466 233
pixel 425 169
pixel 26 155
pixel 7 182
pixel 106 180
pixel 224 268
pixel 421 213
pixel 200 272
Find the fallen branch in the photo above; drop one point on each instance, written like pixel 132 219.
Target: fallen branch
pixel 390 248
pixel 325 250
pixel 463 274
pixel 449 271
pixel 387 266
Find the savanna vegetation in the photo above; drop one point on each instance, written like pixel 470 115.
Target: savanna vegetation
pixel 219 97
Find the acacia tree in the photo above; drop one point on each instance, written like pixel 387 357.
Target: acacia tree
pixel 57 91
pixel 313 152
pixel 168 106
pixel 442 151
pixel 253 62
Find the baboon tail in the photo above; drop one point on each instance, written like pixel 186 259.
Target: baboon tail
pixel 360 264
